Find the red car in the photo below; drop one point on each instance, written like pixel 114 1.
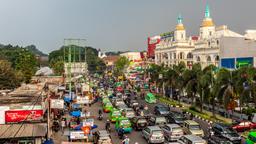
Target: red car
pixel 243 126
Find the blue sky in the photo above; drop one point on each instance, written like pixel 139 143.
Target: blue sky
pixel 112 25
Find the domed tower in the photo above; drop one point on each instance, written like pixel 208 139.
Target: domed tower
pixel 180 32
pixel 207 28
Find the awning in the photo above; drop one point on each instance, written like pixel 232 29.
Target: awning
pixel 75 113
pixel 10 131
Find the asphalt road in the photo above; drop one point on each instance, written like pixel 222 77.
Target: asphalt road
pixel 135 136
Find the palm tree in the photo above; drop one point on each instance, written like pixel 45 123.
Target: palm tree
pixel 177 78
pixel 191 82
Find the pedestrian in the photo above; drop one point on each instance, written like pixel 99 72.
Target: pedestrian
pixel 63 125
pixel 126 140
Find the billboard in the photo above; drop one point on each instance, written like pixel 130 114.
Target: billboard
pixel 228 63
pixel 152 42
pixel 245 61
pixel 57 103
pixel 12 116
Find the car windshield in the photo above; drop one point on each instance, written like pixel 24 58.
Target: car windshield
pixel 124 122
pixel 142 121
pixel 160 120
pixel 176 129
pixel 157 132
pixel 130 113
pixel 252 138
pixel 179 117
pixel 229 130
pixel 116 113
pixel 194 127
pixel 163 108
pixel 108 104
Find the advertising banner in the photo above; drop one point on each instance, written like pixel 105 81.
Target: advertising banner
pixel 23 115
pixel 57 103
pixel 77 135
pixel 83 100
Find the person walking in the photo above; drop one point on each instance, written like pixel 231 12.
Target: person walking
pixel 63 125
pixel 126 140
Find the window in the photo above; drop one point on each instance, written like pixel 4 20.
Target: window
pixel 210 33
pixel 209 44
pixel 217 42
pixel 182 36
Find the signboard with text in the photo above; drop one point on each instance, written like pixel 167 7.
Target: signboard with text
pixel 57 103
pixel 12 116
pixel 77 135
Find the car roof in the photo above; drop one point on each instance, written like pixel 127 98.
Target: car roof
pixel 221 125
pixel 103 132
pixel 172 125
pixel 154 127
pixel 193 138
pixel 190 122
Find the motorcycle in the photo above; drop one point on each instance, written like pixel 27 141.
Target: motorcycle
pixel 100 117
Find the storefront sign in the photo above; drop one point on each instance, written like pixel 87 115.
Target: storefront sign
pixel 23 115
pixel 83 100
pixel 77 135
pixel 57 103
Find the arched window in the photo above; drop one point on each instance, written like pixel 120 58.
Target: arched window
pixel 217 42
pixel 198 58
pixel 209 59
pixel 217 58
pixel 181 55
pixel 189 56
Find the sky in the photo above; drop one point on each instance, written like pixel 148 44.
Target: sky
pixel 112 25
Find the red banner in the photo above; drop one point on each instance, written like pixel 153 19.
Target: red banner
pixel 23 115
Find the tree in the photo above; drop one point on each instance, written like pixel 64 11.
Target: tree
pixel 8 78
pixel 120 65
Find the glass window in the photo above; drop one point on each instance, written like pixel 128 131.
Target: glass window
pixel 194 127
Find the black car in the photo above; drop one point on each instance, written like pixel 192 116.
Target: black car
pixel 161 109
pixel 216 139
pixel 132 103
pixel 139 123
pixel 175 117
pixel 157 120
pixel 145 113
pixel 227 132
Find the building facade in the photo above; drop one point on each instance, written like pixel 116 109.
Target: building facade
pixel 175 47
pixel 214 45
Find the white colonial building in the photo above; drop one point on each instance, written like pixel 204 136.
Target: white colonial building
pixel 207 48
pixel 175 47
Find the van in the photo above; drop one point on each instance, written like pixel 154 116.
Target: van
pixel 191 139
pixel 193 128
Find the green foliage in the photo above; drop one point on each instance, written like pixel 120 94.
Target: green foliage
pixel 57 57
pixel 120 65
pixel 22 61
pixel 8 78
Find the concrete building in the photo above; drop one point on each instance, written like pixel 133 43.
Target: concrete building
pixel 132 56
pixel 175 47
pixel 236 52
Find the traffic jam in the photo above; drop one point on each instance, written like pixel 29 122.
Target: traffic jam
pixel 136 116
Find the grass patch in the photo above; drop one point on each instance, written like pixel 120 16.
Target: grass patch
pixel 168 101
pixel 203 115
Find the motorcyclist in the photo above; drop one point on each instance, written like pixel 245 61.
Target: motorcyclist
pixel 100 112
pixel 107 125
pixel 121 133
pixel 126 140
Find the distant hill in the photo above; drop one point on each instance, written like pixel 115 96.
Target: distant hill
pixel 35 51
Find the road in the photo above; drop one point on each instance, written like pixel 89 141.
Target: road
pixel 135 136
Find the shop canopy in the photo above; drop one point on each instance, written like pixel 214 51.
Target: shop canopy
pixel 75 113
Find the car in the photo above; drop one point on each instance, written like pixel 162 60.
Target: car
pixel 114 114
pixel 102 136
pixel 175 117
pixel 118 102
pixel 121 106
pixel 251 138
pixel 226 132
pixel 139 123
pixel 157 120
pixel 217 139
pixel 161 109
pixel 131 103
pixel 172 132
pixel 128 112
pixel 145 113
pixel 153 134
pixel 191 127
pixel 243 126
pixel 150 98
pixel 191 139
pixel 123 123
pixel 107 107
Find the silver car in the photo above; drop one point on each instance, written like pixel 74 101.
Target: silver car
pixel 153 134
pixel 191 139
pixel 172 132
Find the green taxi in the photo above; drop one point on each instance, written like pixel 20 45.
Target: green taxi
pixel 150 98
pixel 107 107
pixel 114 114
pixel 251 139
pixel 124 123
